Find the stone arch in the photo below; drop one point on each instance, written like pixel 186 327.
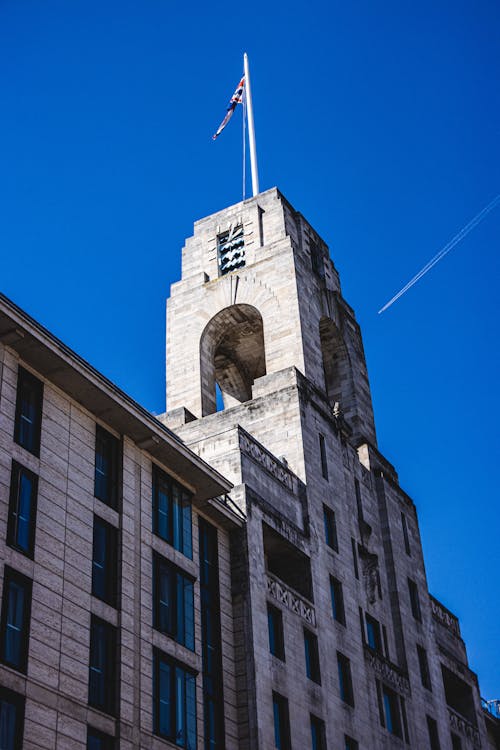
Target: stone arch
pixel 232 354
pixel 337 368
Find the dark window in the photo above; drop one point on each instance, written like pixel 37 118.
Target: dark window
pixel 172 512
pixel 11 720
pixel 104 561
pixel 317 262
pixel 15 626
pixel 330 528
pixel 390 716
pixel 318 736
pixel 414 600
pixel 97 740
pixel 373 637
pixel 174 709
pixel 281 722
pixel 322 452
pixel 433 734
pixel 28 411
pixel 386 642
pixel 404 524
pixel 173 602
pixel 349 743
pixel 337 597
pixel 354 557
pixel 102 665
pixel 456 742
pixel 211 647
pixel 22 509
pixel 275 625
pixel 312 656
pixel 107 454
pixel 424 667
pixel 345 679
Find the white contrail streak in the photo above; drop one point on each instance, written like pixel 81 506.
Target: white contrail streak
pixel 446 249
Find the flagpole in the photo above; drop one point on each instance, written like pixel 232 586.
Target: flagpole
pixel 251 130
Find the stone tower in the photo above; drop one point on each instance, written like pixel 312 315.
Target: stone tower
pixel 337 642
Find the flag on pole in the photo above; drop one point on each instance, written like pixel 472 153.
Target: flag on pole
pixel 236 98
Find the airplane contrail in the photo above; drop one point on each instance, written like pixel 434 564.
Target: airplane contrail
pixel 444 251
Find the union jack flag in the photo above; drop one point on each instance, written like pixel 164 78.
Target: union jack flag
pixel 237 98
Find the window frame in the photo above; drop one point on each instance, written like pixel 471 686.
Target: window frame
pixel 18 702
pixel 112 454
pixel 159 658
pixel 178 514
pixel 13 576
pixel 26 379
pixel 337 600
pixel 108 671
pixel 433 732
pixel 107 739
pixel 18 471
pixel 323 456
pixel 318 733
pixel 175 577
pixel 414 596
pixel 330 528
pixel 346 690
pixel 373 626
pixel 311 654
pixel 110 567
pixel 281 722
pixel 276 632
pixel 423 663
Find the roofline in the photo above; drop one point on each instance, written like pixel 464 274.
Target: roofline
pixel 49 356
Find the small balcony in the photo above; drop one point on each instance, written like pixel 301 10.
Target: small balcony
pixel 290 599
pixel 461 725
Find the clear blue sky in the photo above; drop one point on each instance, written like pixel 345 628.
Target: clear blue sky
pixel 378 121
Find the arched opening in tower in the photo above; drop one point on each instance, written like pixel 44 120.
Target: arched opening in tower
pixel 232 356
pixel 339 385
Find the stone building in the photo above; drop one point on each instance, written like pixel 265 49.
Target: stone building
pixel 115 546
pixel 243 572
pixel 338 643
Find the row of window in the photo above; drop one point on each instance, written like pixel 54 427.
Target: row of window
pixel 282 739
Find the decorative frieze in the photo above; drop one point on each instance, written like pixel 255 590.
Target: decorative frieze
pixel 278 470
pixel 284 595
pixel 387 671
pixel 445 617
pixel 464 727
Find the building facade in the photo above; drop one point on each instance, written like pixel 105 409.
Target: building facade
pixel 243 572
pixel 338 643
pixel 116 615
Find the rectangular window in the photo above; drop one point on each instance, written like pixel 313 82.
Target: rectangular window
pixel 414 600
pixel 107 455
pixel 373 637
pixel 354 557
pixel 318 735
pixel 275 627
pixel 322 452
pixel 173 602
pixel 15 623
pixel 330 528
pixel 345 679
pixel 174 704
pixel 392 715
pixel 102 665
pixel 404 524
pixel 28 421
pixel 349 743
pixel 312 656
pixel 172 512
pixel 97 740
pixel 211 646
pixel 456 742
pixel 337 598
pixel 433 734
pixel 281 722
pixel 22 510
pixel 11 720
pixel 424 667
pixel 105 562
